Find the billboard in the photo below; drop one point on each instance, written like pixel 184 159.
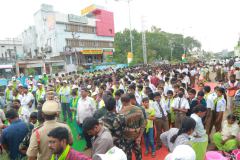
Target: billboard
pixel 88 9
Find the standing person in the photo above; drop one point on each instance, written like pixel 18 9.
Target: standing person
pixel 232 86
pixel 226 139
pixel 39 140
pixel 114 122
pixel 237 73
pixel 198 100
pixel 102 138
pixel 73 106
pixel 59 145
pixel 40 93
pixel 85 108
pixel 134 119
pixel 191 97
pixel 148 133
pixel 174 137
pixel 65 100
pixel 118 100
pixel 219 109
pixel 133 102
pixel 193 73
pixel 200 138
pixel 168 103
pixel 13 135
pixel 180 107
pixel 161 121
pixel 9 93
pixel 210 107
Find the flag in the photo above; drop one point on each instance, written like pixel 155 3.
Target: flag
pixel 129 57
pixel 184 57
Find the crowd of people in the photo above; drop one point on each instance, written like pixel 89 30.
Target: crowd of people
pixel 151 106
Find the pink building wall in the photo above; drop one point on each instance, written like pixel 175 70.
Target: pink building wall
pixel 104 23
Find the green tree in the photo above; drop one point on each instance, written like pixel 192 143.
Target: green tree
pixel 159 45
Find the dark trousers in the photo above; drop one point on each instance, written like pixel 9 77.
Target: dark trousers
pixel 129 146
pixel 87 137
pixel 161 125
pixel 66 108
pixel 179 118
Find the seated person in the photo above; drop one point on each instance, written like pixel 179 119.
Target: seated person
pixel 226 139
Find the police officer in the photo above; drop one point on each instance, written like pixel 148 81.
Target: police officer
pixel 39 140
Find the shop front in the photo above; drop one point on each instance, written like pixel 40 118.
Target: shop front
pixel 92 56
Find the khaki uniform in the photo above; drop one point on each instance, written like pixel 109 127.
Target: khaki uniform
pixel 38 146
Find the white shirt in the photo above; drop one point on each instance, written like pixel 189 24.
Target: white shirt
pixel 199 129
pixel 168 103
pixel 185 70
pixel 156 107
pixel 167 87
pixel 229 130
pixel 210 102
pixel 221 105
pixel 85 108
pixel 181 103
pixel 153 88
pixel 193 72
pixel 118 105
pixel 138 98
pixel 186 80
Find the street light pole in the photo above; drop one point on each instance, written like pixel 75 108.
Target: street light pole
pixel 130 25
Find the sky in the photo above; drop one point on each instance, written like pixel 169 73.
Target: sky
pixel 215 23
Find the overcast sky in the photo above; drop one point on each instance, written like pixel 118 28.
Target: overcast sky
pixel 215 23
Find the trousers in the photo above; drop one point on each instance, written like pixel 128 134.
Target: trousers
pixel 130 146
pixel 149 140
pixel 66 109
pixel 179 118
pixel 161 125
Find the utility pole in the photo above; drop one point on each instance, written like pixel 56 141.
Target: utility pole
pixel 144 44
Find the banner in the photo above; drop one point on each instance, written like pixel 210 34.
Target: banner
pixel 129 57
pixel 92 51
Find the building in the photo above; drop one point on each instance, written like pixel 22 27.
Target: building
pixel 78 39
pixel 29 37
pixel 10 50
pixel 237 49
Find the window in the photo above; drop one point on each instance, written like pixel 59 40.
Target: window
pixel 80 28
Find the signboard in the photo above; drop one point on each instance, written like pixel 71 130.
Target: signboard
pixel 34 65
pixel 129 57
pixel 88 9
pixel 78 19
pixel 57 64
pixel 108 55
pixel 92 51
pixel 51 22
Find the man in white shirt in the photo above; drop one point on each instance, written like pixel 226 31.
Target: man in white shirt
pixel 180 107
pixel 161 121
pixel 27 104
pixel 85 108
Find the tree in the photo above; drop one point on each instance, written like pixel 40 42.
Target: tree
pixel 159 45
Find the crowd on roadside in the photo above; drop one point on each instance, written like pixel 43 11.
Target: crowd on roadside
pixel 154 106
